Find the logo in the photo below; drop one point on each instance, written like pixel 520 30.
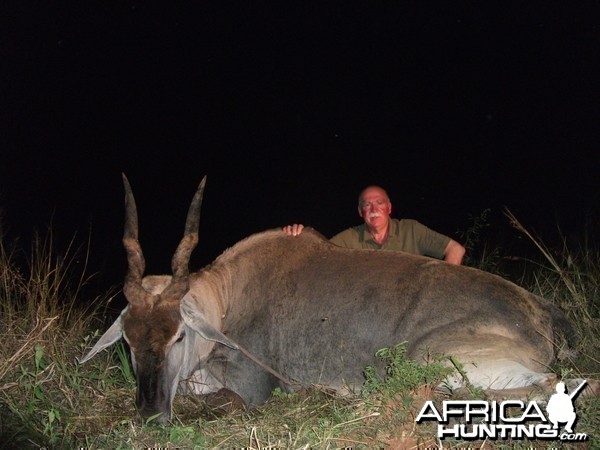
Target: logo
pixel 509 419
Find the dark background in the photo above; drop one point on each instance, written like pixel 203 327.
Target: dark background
pixel 291 109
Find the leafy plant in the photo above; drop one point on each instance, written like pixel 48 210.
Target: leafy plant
pixel 474 392
pixel 479 254
pixel 402 374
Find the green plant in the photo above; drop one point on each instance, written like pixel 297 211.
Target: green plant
pixel 402 375
pixel 474 392
pixel 279 393
pixel 125 365
pixel 479 254
pixel 39 409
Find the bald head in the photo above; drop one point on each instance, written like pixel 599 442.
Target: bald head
pixel 369 191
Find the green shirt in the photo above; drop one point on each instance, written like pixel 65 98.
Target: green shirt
pixel 405 235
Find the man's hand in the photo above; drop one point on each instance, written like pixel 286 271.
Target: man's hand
pixel 293 230
pixel 454 253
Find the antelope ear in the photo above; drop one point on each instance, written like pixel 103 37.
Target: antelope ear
pixel 197 322
pixel 112 335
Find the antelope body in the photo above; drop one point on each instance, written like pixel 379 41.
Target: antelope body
pixel 315 313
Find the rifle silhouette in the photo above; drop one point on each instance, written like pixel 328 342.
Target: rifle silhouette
pixel 577 389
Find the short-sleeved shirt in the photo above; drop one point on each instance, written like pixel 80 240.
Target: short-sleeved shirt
pixel 405 235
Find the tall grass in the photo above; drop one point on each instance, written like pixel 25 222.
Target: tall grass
pixel 47 400
pixel 43 322
pixel 570 277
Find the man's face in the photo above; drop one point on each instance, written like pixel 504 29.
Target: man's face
pixel 375 207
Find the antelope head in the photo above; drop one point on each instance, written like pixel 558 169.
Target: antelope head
pixel 152 323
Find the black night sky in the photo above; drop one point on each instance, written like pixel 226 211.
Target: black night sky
pixel 291 108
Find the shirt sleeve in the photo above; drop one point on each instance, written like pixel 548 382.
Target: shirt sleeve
pixel 430 243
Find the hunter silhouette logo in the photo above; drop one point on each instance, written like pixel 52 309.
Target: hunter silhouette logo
pixel 560 407
pixel 509 419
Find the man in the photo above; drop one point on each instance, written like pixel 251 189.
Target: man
pixel 379 231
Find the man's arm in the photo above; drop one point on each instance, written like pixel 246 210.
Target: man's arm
pixel 454 252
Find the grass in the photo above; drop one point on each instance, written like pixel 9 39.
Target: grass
pixel 47 400
pixel 571 279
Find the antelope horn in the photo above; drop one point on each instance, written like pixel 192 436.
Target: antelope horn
pixel 136 265
pixel 181 258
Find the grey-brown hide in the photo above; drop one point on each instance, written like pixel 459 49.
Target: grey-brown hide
pixel 317 313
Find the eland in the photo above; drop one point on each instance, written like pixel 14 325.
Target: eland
pixel 279 311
